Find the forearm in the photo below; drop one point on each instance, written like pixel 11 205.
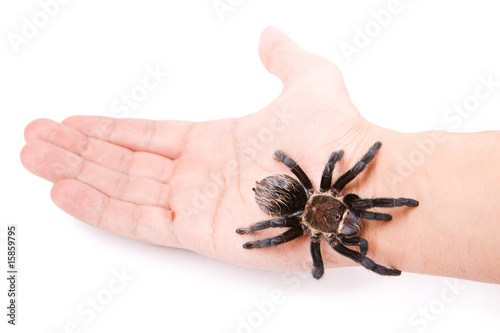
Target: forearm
pixel 455 231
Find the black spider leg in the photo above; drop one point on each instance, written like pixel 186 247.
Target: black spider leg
pixel 318 269
pixel 347 177
pixel 356 241
pixel 373 216
pixel 326 179
pixel 362 204
pixel 360 258
pixel 349 199
pixel 295 168
pixel 279 222
pixel 287 236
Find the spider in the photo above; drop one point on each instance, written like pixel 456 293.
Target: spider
pixel 328 213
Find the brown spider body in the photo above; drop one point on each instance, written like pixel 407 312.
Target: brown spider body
pixel 297 206
pixel 324 213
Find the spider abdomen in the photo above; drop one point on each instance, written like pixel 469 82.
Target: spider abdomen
pixel 280 194
pixel 323 213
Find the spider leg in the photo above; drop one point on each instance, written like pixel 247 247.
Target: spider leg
pixel 356 241
pixel 361 204
pixel 318 269
pixel 373 216
pixel 361 259
pixel 295 168
pixel 326 179
pixel 279 222
pixel 347 177
pixel 287 236
pixel 349 200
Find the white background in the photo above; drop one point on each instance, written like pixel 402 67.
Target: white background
pixel 426 59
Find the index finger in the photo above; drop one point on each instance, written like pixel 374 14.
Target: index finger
pixel 166 137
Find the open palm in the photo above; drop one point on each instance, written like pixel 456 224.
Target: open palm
pixel 189 185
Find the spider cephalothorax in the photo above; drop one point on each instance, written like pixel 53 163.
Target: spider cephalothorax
pixel 297 206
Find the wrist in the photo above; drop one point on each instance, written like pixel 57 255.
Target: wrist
pixel 381 178
pixel 397 171
pixel 453 231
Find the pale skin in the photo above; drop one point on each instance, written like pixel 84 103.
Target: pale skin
pixel 160 182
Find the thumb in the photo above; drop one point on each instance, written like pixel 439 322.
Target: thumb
pixel 280 55
pixel 285 59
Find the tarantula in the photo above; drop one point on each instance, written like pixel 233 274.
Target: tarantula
pixel 300 208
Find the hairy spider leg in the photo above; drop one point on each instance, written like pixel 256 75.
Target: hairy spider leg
pixel 318 269
pixel 287 236
pixel 361 259
pixel 296 170
pixel 356 241
pixel 350 198
pixel 347 177
pixel 279 222
pixel 373 216
pixel 361 204
pixel 326 179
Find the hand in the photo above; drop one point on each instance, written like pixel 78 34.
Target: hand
pixel 189 185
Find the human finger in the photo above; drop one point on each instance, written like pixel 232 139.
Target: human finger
pixel 109 155
pixel 166 138
pixel 54 163
pixel 144 223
